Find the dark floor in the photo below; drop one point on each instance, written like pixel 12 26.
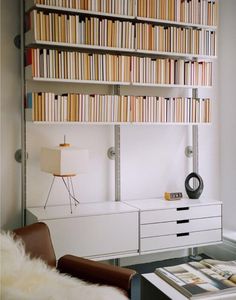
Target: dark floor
pixel 150 267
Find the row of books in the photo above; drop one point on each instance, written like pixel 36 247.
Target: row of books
pixel 82 30
pixel 48 63
pixel 120 7
pixel 115 108
pixel 175 39
pixel 188 11
pixel 171 71
pixel 75 29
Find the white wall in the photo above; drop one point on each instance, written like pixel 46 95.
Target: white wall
pixel 152 157
pixel 10 114
pixel 227 105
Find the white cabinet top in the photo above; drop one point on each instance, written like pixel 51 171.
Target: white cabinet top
pixel 113 207
pixel 81 210
pixel 159 203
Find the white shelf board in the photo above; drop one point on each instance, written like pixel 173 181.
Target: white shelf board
pixel 170 85
pixel 176 23
pixel 77 81
pixel 117 123
pixel 32 42
pixel 160 203
pixel 81 210
pixel 28 115
pixel 176 54
pixel 44 79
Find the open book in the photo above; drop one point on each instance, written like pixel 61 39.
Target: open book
pixel 202 279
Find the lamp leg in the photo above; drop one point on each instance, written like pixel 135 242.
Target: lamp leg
pixel 68 189
pixel 73 191
pixel 69 192
pixel 49 192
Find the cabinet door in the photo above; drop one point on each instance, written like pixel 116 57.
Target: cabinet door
pixel 95 236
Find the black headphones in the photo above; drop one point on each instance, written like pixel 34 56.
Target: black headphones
pixel 194 194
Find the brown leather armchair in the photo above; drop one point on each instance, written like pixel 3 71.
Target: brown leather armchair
pixel 38 244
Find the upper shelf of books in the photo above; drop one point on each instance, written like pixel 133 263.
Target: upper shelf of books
pixel 74 31
pixel 187 13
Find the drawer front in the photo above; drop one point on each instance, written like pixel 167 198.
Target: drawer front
pixel 181 213
pixel 193 239
pixel 158 229
pixel 95 235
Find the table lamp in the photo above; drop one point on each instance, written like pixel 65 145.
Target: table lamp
pixel 65 162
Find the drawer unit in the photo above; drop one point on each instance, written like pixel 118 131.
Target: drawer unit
pixel 192 239
pixel 186 223
pixel 180 213
pixel 165 228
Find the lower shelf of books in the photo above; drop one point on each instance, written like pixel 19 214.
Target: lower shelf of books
pixel 81 108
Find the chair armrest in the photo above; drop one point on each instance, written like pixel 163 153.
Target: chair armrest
pixel 96 272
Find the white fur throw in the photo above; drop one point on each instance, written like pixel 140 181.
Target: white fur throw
pixel 23 278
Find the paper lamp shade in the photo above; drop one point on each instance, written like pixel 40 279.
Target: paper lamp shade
pixel 64 161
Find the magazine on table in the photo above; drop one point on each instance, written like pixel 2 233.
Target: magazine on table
pixel 206 278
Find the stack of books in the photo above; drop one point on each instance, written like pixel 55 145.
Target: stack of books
pixel 202 280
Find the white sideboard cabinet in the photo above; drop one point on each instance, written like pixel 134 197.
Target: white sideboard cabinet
pixel 94 230
pixel 120 229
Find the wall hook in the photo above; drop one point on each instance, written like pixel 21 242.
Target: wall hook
pixel 189 151
pixel 18 155
pixel 17 41
pixel 111 153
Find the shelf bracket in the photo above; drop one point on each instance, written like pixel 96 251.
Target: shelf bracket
pixel 194 251
pixel 117 163
pixel 116 90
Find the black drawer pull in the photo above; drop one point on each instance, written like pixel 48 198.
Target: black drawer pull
pixel 182 234
pixel 182 208
pixel 182 221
